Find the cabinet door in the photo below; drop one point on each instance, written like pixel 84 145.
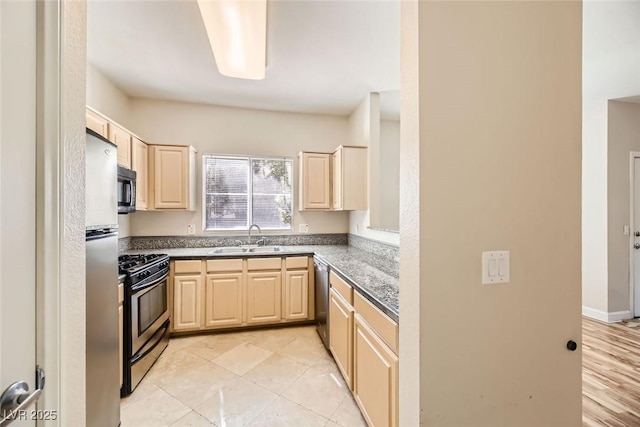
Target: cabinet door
pixel 186 302
pixel 223 300
pixel 315 177
pixel 171 176
pixel 122 139
pixel 375 377
pixel 264 297
pixel 139 163
pixel 97 123
pixel 341 335
pixel 337 179
pixel 296 295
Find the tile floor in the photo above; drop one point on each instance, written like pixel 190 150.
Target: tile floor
pixel 273 377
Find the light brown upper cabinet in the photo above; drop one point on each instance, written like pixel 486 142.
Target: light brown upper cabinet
pixel 350 184
pixel 315 181
pixel 172 177
pixel 139 163
pixel 97 123
pixel 122 139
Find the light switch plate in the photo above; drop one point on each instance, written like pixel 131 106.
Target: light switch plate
pixel 303 228
pixel 191 229
pixel 495 267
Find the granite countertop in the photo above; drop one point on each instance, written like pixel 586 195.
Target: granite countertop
pixel 360 268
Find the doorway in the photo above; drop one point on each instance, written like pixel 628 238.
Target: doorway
pixel 634 248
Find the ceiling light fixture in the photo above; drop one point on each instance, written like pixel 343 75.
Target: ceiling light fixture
pixel 237 31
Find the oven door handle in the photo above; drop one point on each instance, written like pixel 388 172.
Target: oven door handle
pixel 165 331
pixel 138 288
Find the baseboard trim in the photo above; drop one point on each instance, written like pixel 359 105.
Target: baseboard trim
pixel 610 317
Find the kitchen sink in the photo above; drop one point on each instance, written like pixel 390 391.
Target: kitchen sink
pixel 242 250
pixel 261 249
pixel 229 250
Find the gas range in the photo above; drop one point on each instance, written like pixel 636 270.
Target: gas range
pixel 145 314
pixel 141 268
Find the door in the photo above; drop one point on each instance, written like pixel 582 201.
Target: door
pixel 296 295
pixel 122 139
pixel 264 297
pixel 139 163
pixel 316 181
pixel 375 377
pixel 223 296
pixel 636 237
pixel 186 302
pixel 96 123
pixel 18 196
pixel 341 335
pixel 170 177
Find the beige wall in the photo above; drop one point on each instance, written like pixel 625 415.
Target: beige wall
pixel 498 145
pixel 389 174
pixel 624 137
pixel 72 297
pixel 611 62
pixel 106 98
pixel 364 129
pixel 224 130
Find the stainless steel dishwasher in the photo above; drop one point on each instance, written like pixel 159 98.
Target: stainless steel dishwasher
pixel 322 299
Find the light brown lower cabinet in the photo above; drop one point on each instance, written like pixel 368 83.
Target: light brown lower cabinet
pixel 375 377
pixel 264 294
pixel 341 335
pixel 296 295
pixel 220 293
pixel 223 300
pixel 187 302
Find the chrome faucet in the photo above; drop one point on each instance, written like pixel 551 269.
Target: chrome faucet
pixel 250 227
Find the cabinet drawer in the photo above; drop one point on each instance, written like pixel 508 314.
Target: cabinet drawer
pixel 342 287
pixel 190 266
pixel 386 328
pixel 297 262
pixel 264 263
pixel 120 293
pixel 217 265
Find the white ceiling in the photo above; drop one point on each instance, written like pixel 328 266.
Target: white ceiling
pixel 322 56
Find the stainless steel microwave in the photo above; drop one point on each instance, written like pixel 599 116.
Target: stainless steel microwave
pixel 126 190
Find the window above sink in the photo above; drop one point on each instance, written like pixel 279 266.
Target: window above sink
pixel 238 191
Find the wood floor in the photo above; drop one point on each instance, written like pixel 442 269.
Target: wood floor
pixel 610 373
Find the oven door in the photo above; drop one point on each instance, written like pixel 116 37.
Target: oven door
pixel 148 311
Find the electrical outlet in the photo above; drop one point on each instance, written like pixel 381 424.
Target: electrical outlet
pixel 304 228
pixel 191 229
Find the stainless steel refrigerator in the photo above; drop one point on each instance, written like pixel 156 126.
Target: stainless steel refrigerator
pixel 101 216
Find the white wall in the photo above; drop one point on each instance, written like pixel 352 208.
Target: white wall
pixel 491 161
pixel 107 99
pixel 624 137
pixel 364 129
pixel 224 130
pixel 611 60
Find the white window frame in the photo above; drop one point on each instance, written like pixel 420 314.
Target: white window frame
pixel 249 190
